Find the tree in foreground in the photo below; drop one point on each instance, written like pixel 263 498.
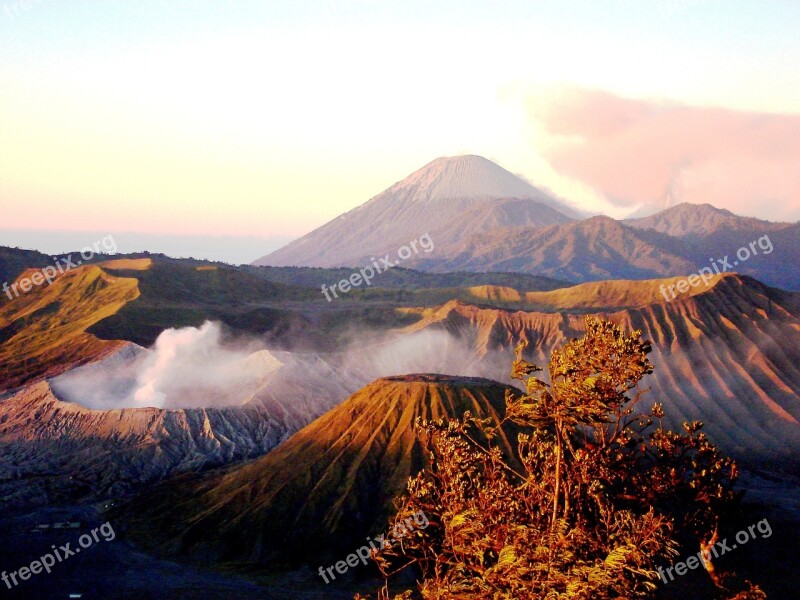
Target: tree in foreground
pixel 598 497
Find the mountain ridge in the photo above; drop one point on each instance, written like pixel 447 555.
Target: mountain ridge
pixel 471 213
pixel 725 356
pixel 690 221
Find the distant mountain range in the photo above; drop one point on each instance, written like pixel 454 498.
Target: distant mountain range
pixel 482 218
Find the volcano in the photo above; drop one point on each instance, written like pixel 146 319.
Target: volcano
pixel 322 491
pixel 449 199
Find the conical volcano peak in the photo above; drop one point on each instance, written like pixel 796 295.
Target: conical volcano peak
pixel 468 176
pixel 450 199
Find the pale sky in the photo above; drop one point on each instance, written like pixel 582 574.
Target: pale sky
pixel 260 118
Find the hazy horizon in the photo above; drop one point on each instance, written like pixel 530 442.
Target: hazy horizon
pixel 267 120
pixel 235 250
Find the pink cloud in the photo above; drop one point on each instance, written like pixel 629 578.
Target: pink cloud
pixel 636 151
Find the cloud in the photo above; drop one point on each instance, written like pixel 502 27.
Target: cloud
pixel 639 152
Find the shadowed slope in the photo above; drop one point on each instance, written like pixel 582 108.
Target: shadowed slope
pixel 678 242
pixel 591 250
pixel 322 491
pixel 55 451
pixel 14 261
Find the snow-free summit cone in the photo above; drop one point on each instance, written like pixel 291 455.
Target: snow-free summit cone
pixel 449 199
pixel 469 176
pixel 332 482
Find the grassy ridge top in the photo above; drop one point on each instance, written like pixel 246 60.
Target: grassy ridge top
pixel 596 295
pixel 44 332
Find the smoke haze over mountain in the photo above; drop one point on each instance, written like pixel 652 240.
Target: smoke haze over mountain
pixel 202 367
pixel 187 367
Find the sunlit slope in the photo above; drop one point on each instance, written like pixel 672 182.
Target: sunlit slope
pixel 44 332
pixel 93 310
pixel 728 356
pixel 321 492
pixel 128 264
pixel 598 295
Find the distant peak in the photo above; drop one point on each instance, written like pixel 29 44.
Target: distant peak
pixel 705 208
pixel 468 176
pixel 461 158
pixel 470 161
pixel 684 208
